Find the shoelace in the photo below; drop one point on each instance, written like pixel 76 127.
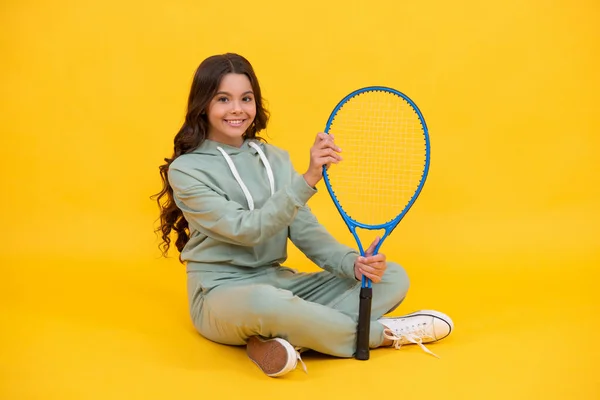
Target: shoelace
pixel 298 358
pixel 415 337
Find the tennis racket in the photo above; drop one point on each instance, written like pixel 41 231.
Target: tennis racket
pixel 386 151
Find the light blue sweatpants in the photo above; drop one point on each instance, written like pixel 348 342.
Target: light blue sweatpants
pixel 317 311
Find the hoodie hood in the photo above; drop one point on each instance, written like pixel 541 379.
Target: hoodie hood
pixel 210 147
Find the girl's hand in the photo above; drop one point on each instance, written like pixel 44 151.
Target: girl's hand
pixel 371 266
pixel 322 153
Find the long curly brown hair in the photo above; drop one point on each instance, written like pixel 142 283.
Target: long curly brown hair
pixel 195 130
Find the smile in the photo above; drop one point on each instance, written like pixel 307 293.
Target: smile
pixel 235 122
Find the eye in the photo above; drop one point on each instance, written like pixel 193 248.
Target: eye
pixel 222 99
pixel 247 99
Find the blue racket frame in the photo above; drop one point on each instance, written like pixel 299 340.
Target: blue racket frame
pixel 389 226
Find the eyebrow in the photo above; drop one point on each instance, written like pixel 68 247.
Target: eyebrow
pixel 229 94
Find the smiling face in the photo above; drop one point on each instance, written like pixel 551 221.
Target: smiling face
pixel 232 110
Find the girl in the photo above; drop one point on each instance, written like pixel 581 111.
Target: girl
pixel 233 202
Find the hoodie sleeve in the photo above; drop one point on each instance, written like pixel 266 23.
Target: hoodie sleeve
pixel 221 219
pixel 320 247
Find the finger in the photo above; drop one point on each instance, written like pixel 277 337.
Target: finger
pixel 323 137
pixel 327 161
pixel 372 247
pixel 373 268
pixel 376 259
pixel 378 269
pixel 328 165
pixel 373 277
pixel 327 145
pixel 329 153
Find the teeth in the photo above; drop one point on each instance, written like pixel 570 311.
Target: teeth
pixel 235 121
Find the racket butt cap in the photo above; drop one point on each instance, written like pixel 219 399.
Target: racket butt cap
pixel 362 355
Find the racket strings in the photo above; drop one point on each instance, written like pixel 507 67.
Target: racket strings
pixel 384 149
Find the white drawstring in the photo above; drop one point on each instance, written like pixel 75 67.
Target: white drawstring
pixel 238 178
pixel 266 164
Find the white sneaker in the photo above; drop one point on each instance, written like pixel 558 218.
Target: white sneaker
pixel 275 357
pixel 420 327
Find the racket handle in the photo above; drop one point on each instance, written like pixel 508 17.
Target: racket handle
pixel 364 324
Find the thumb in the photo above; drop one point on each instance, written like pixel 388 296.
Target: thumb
pixel 371 248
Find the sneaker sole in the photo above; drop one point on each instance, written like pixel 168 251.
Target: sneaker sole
pixel 275 357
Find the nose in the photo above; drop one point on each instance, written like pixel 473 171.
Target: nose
pixel 236 107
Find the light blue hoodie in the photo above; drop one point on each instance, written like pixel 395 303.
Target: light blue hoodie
pixel 231 230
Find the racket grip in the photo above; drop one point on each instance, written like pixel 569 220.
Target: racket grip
pixel 364 324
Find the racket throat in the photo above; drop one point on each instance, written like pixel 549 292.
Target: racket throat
pixel 366 238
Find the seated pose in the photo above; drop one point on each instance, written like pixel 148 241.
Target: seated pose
pixel 233 202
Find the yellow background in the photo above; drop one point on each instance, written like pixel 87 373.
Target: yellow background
pixel 504 237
